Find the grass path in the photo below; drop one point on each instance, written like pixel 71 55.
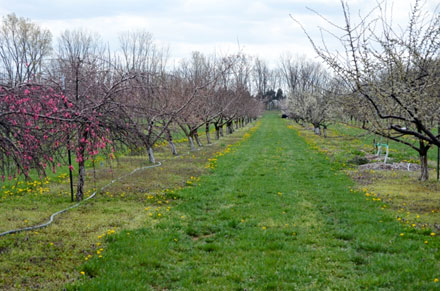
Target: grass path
pixel 273 214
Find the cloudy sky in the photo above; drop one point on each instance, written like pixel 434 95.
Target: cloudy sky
pixel 260 27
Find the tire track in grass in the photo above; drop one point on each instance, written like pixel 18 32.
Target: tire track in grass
pixel 272 215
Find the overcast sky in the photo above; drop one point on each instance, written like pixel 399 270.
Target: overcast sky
pixel 262 27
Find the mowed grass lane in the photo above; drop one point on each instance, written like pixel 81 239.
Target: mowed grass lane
pixel 272 215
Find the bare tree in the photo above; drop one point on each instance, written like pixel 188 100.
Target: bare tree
pixel 208 76
pixel 311 92
pixel 147 102
pixel 394 71
pixel 261 76
pixel 198 72
pixel 24 47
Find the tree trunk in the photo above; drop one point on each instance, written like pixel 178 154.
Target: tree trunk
pixel 229 127
pixel 424 173
pixel 151 155
pixel 208 137
pixel 317 130
pixel 217 131
pixel 191 143
pixel 236 124
pixel 170 141
pixel 221 131
pixel 173 148
pixel 81 177
pixel 325 131
pixel 423 155
pixel 196 136
pixel 82 135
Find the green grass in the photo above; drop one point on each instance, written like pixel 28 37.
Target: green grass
pixel 415 202
pixel 49 257
pixel 398 151
pixel 273 214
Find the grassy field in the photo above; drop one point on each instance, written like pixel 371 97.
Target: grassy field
pixel 275 212
pixel 49 257
pixel 411 201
